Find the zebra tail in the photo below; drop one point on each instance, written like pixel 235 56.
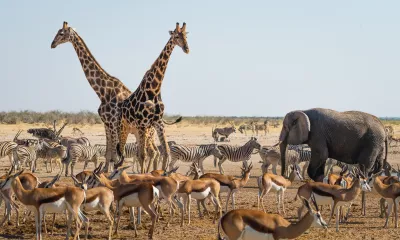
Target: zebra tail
pixel 215 161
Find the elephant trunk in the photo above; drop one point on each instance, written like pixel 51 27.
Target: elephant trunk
pixel 282 146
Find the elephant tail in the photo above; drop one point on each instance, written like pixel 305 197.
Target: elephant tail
pixel 386 151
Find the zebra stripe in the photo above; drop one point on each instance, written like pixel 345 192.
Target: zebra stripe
pixel 193 153
pixel 27 155
pixel 6 149
pixel 237 154
pixel 78 152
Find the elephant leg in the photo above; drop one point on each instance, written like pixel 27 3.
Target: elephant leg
pixel 367 158
pixel 317 164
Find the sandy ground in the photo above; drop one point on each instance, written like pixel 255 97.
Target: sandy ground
pixel 358 226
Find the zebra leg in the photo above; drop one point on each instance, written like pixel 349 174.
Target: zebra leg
pixel 159 126
pixel 246 165
pixel 85 165
pixel 72 167
pixel 221 161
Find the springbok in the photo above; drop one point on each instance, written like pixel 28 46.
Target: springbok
pixel 167 186
pixel 29 182
pixel 335 195
pixel 278 184
pixel 52 200
pixel 132 195
pixel 246 224
pixel 230 184
pixel 391 193
pixel 98 198
pixel 199 189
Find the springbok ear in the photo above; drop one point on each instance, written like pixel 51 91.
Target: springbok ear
pixel 75 180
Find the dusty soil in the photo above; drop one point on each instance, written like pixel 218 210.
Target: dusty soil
pixel 357 227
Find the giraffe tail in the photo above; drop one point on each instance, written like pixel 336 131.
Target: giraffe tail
pixel 174 122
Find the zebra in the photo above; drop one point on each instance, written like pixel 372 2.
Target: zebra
pixel 237 154
pixel 242 128
pixel 102 149
pixel 196 154
pixel 330 163
pixel 77 152
pixel 67 141
pixel 27 154
pixel 6 149
pixel 295 154
pixel 262 127
pixel 225 132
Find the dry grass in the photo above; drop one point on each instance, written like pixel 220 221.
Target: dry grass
pixel 358 227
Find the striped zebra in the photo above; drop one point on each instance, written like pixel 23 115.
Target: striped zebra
pixel 237 154
pixel 77 152
pixel 330 163
pixel 130 152
pixel 196 154
pixel 6 149
pixel 25 155
pixel 67 141
pixel 295 154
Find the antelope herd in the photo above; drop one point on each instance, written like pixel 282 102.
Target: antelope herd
pixel 150 192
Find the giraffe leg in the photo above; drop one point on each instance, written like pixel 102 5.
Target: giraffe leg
pixel 157 153
pixel 152 153
pixel 108 148
pixel 159 126
pixel 142 151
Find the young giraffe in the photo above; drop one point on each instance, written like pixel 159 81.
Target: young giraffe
pixel 110 90
pixel 144 109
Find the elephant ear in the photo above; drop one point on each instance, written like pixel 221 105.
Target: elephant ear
pixel 296 128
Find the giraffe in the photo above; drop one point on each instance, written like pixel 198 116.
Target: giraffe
pixel 144 108
pixel 110 90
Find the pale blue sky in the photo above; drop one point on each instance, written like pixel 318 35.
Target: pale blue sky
pixel 247 58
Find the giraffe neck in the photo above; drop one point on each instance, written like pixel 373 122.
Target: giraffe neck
pixel 154 77
pixel 106 87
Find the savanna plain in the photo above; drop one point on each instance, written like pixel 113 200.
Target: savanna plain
pixel 357 226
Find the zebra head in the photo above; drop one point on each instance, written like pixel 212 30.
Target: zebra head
pixel 254 143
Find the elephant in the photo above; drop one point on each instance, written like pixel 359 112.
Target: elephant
pixel 351 137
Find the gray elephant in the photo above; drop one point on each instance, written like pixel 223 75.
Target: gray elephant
pixel 350 137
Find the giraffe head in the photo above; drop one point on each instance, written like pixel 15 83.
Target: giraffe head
pixel 65 34
pixel 179 37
